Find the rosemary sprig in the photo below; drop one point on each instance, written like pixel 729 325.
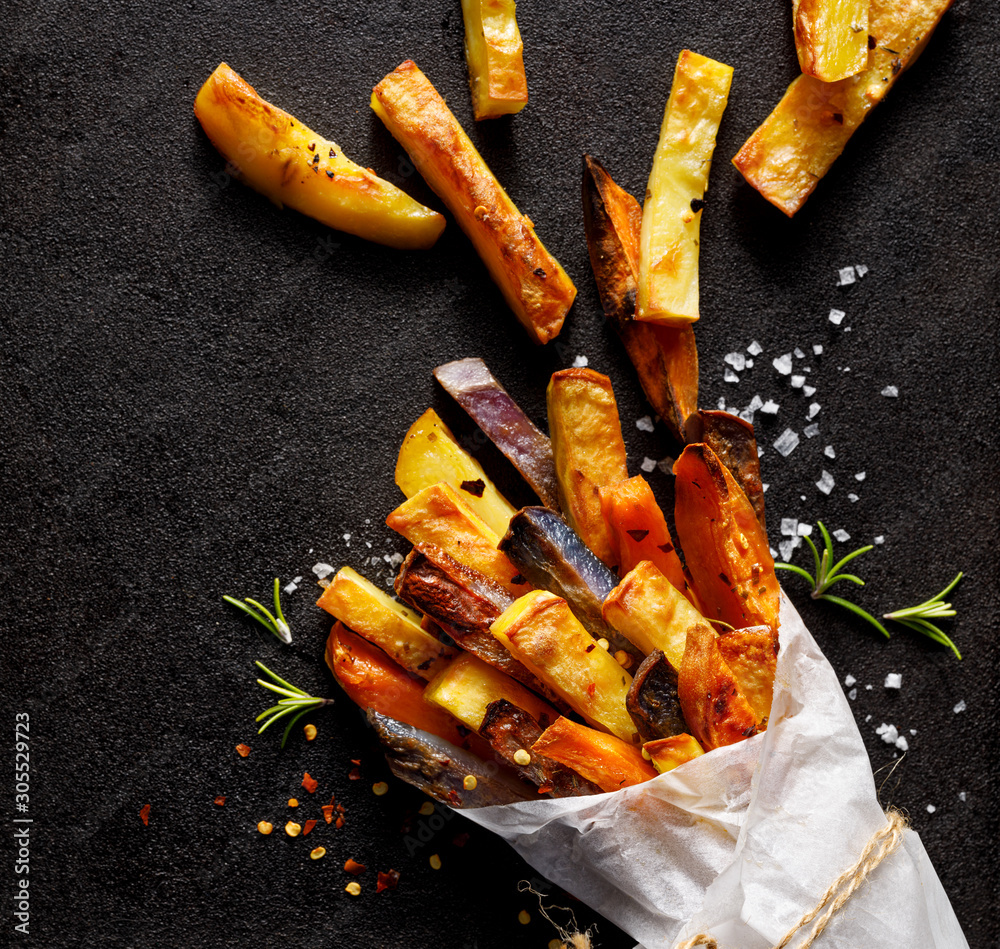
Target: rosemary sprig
pixel 918 617
pixel 828 573
pixel 295 702
pixel 270 622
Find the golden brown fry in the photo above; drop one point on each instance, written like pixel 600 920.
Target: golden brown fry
pixel 589 451
pixel 605 760
pixel 495 54
pixel 669 753
pixel 800 140
pixel 535 287
pixel 752 656
pixel 831 37
pixel 277 155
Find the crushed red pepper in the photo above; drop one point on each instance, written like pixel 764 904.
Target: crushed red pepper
pixel 309 783
pixel 327 810
pixel 387 881
pixel 242 750
pixel 220 800
pixel 354 774
pixel 144 814
pixel 353 867
pixel 308 826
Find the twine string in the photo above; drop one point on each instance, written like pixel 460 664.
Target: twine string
pixel 880 845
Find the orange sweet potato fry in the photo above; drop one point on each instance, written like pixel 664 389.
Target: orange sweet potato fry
pixel 605 760
pixel 725 548
pixel 714 708
pixel 752 656
pixel 639 530
pixel 372 680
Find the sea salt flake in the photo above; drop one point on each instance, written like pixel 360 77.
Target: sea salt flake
pixel 826 482
pixel 721 405
pixel 808 391
pixel 861 269
pixel 849 680
pixel 894 680
pixel 770 407
pixel 868 718
pixel 789 526
pixel 836 316
pixel 766 486
pixel 814 408
pixel 787 546
pixel 645 424
pixel 860 476
pixel 322 570
pixel 648 465
pixel 749 364
pixel 818 349
pixel 853 694
pixel 786 442
pixel 890 392
pixel 931 808
pixel 847 369
pixel 853 498
pixel 880 539
pixel 888 733
pixel 804 530
pixel 755 348
pixel 845 276
pixel 960 707
pixel 290 587
pixel 902 744
pixel 913 731
pixel 580 362
pixel 760 451
pixel 811 431
pixel 730 376
pixel 783 364
pixel 376 561
pixel 798 382
pixel 774 554
pixel 829 452
pixel 841 535
pixel 347 536
pixel 395 559
pixel 755 403
pixel 666 465
pixel 962 796
pixel 798 353
pixel 868 688
pixel 736 360
pixel 368 544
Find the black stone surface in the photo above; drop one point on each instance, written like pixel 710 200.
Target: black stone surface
pixel 200 391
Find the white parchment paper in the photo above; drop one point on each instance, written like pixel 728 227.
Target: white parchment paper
pixel 741 842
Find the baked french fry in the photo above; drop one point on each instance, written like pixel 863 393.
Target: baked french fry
pixel 669 753
pixel 495 54
pixel 671 214
pixel 541 631
pixel 535 287
pixel 652 613
pixel 752 657
pixel 393 627
pixel 725 548
pixel 467 686
pixel 430 454
pixel 277 155
pixel 831 37
pixel 607 761
pixel 716 711
pixel 639 530
pixel 373 681
pixel 800 140
pixel 665 357
pixel 652 700
pixel 438 515
pixel 589 451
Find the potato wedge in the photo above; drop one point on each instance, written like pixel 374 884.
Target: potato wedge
pixel 831 37
pixel 652 700
pixel 752 656
pixel 542 632
pixel 603 759
pixel 716 711
pixel 535 287
pixel 665 357
pixel 669 753
pixel 278 156
pixel 589 451
pixel 495 54
pixel 652 613
pixel 430 454
pixel 437 515
pixel 373 681
pixel 639 530
pixel 800 140
pixel 393 627
pixel 671 214
pixel 467 686
pixel 725 548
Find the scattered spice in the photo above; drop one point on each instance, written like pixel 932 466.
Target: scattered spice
pixel 293 829
pixel 265 827
pixel 317 852
pixel 480 211
pixel 475 488
pixel 604 644
pixel 310 731
pixel 469 782
pixel 327 810
pixel 387 881
pixel 538 272
pixel 220 800
pixel 309 825
pixel 293 802
pixel 144 814
pixel 522 757
pixel 354 774
pixel 638 535
pixel 379 788
pixel 353 867
pixel 623 658
pixel 524 917
pixel 427 808
pixel 435 861
pixel 354 888
pixel 309 783
pixel 242 750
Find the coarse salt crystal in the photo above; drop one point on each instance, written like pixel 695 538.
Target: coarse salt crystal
pixel 770 407
pixel 868 688
pixel 645 424
pixel 798 382
pixel 789 526
pixel 860 476
pixel 845 276
pixel 749 364
pixel 829 452
pixel 666 465
pixel 894 680
pixel 322 570
pixel 798 353
pixel 376 561
pixel 846 369
pixel 730 376
pixel 818 349
pixel 853 498
pixel 902 744
pixel 841 535
pixel 868 718
pixel 774 554
pixel 291 587
pixel 913 731
pixel 811 431
pixel 721 404
pixel 736 360
pixel 826 482
pixel 804 530
pixel 880 539
pixel 890 392
pixel 888 733
pixel 931 808
pixel 648 465
pixel 808 391
pixel 755 403
pixel 347 536
pixel 786 442
pixel 787 546
pixel 760 451
pixel 580 362
pixel 765 487
pixel 853 694
pixel 962 796
pixel 836 316
pixel 860 269
pixel 960 707
pixel 849 680
pixel 755 348
pixel 814 408
pixel 783 364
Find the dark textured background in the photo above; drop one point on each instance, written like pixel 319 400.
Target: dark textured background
pixel 200 391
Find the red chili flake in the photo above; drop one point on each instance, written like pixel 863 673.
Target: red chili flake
pixel 308 826
pixel 144 814
pixel 387 881
pixel 353 867
pixel 591 647
pixel 355 761
pixel 475 488
pixel 220 800
pixel 243 750
pixel 354 774
pixel 544 788
pixel 461 840
pixel 591 689
pixel 340 823
pixel 309 783
pixel 666 548
pixel 327 810
pixel 638 536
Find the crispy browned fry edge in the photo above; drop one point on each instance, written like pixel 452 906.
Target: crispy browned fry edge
pixel 808 129
pixel 665 358
pixel 652 701
pixel 533 283
pixel 733 440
